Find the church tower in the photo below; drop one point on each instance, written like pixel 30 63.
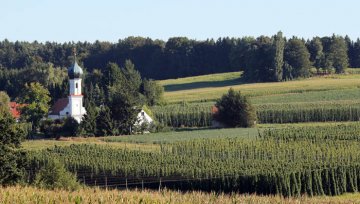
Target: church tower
pixel 76 109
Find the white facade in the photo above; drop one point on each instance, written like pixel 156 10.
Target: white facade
pixel 73 105
pixel 76 109
pixel 143 117
pixel 75 86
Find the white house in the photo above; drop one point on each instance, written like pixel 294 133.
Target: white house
pixel 72 106
pixel 143 117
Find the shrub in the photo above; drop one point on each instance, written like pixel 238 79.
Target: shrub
pixel 235 110
pixel 53 175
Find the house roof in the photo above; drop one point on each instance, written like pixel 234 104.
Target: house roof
pixel 14 109
pixel 59 105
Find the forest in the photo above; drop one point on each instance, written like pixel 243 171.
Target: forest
pixel 180 57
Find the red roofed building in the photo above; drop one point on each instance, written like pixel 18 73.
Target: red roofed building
pixel 14 110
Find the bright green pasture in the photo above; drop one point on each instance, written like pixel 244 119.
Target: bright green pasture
pixel 330 86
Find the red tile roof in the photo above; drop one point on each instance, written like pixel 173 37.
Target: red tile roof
pixel 14 109
pixel 214 110
pixel 59 105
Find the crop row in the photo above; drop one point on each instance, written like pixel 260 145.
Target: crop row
pixel 275 163
pixel 200 115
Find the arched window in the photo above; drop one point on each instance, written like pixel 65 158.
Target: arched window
pixel 76 85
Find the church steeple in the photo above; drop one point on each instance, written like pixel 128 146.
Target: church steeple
pixel 75 71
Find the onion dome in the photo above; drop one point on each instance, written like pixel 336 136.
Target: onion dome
pixel 75 71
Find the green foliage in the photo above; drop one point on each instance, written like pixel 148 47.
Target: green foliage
pixel 317 56
pixel 60 127
pixel 297 59
pixel 4 99
pixel 70 127
pixel 51 128
pixel 125 101
pixel 36 97
pixel 279 44
pixel 338 54
pixel 105 123
pixel 53 175
pixel 11 158
pixel 88 125
pixel 235 110
pixel 153 92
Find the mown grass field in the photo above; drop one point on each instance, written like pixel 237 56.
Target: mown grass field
pixel 18 194
pixel 175 136
pixel 146 142
pixel 332 87
pixel 151 142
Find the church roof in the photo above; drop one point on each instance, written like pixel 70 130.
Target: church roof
pixel 75 71
pixel 59 105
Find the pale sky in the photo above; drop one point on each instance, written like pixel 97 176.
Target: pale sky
pixel 111 20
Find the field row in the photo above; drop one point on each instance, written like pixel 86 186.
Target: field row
pixel 200 115
pixel 17 194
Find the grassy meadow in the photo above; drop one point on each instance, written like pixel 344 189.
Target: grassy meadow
pixel 331 85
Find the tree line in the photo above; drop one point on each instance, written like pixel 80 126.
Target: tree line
pixel 181 57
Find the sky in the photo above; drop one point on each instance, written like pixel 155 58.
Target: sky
pixel 111 20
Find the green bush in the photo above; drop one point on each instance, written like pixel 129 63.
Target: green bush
pixel 235 110
pixel 53 175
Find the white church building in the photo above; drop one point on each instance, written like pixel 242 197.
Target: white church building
pixel 72 106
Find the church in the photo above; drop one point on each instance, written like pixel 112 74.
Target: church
pixel 72 106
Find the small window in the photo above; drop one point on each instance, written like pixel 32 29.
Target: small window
pixel 76 85
pixel 67 113
pixel 142 113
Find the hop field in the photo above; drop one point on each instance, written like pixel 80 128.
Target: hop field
pixel 290 162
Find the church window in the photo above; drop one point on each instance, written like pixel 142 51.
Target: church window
pixel 76 85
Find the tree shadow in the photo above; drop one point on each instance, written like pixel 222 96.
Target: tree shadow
pixel 202 84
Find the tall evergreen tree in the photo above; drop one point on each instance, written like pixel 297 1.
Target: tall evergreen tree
pixel 315 48
pixel 279 45
pixel 105 123
pixel 125 99
pixel 355 57
pixel 88 126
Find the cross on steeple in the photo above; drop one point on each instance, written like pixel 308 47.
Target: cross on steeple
pixel 74 52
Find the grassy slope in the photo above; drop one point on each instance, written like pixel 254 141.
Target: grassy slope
pixel 329 86
pixel 19 194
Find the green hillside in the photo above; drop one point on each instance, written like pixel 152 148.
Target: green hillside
pixel 211 87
